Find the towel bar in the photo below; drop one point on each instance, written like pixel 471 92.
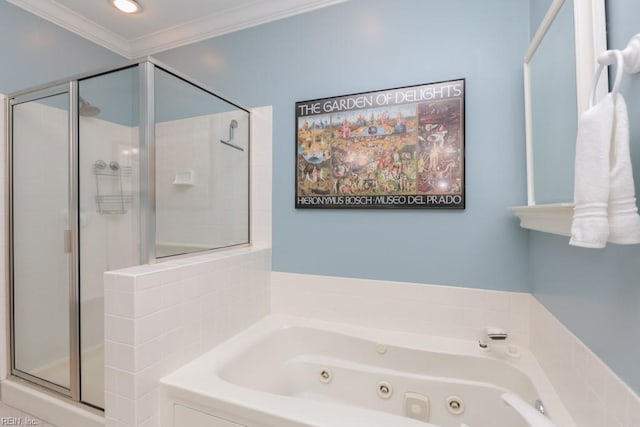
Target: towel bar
pixel 627 60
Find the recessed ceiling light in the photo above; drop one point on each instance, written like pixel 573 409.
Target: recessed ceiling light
pixel 127 6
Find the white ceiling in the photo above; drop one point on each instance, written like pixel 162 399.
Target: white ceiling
pixel 162 24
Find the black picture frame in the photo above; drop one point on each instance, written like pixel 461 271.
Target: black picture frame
pixel 392 148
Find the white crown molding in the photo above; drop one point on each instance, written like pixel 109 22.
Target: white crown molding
pixel 226 22
pixel 213 25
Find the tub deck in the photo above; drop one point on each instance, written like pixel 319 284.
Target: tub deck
pixel 275 374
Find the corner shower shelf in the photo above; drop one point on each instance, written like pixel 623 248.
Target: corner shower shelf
pixel 552 218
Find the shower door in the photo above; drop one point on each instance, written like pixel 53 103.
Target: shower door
pixel 74 214
pixel 113 168
pixel 42 219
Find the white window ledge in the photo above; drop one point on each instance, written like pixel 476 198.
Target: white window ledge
pixel 552 218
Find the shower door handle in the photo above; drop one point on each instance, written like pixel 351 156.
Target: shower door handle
pixel 67 241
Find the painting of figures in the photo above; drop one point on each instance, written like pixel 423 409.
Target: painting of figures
pixel 394 148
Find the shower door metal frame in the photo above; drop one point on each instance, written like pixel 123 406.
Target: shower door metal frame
pixel 71 89
pixel 147 137
pixel 147 215
pixel 148 154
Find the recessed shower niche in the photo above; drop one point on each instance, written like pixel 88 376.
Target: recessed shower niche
pixel 110 170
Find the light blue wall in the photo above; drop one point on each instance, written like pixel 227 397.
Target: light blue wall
pixel 554 109
pixel 537 10
pixel 365 45
pixel 35 52
pixel 596 292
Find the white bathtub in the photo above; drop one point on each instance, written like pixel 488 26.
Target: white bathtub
pixel 287 371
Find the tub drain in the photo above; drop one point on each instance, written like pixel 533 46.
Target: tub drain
pixel 384 390
pixel 455 405
pixel 325 376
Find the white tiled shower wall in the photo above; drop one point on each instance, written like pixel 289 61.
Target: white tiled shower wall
pixel 212 207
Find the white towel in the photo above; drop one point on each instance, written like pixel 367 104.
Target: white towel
pixel 624 222
pixel 590 228
pixel 604 194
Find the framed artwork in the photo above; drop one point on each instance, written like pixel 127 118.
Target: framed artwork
pixel 394 148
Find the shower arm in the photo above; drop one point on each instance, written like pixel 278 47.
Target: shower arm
pixel 232 125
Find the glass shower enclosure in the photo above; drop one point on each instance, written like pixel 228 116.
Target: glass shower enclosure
pixel 110 170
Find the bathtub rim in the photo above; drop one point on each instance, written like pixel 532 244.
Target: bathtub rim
pixel 188 378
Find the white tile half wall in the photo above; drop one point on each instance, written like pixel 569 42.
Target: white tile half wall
pixel 408 307
pixel 159 317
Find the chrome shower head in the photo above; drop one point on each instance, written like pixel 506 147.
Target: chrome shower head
pixel 86 109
